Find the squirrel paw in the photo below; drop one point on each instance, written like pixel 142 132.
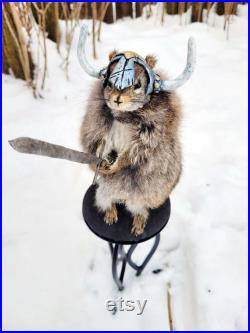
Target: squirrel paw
pixel 105 166
pixel 111 215
pixel 138 226
pixel 108 165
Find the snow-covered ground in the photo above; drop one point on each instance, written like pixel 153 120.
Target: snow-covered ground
pixel 57 274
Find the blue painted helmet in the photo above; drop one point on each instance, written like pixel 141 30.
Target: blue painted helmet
pixel 123 74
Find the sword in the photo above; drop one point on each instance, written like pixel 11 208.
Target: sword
pixel 43 148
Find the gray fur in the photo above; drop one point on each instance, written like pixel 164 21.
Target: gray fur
pixel 154 150
pixel 138 128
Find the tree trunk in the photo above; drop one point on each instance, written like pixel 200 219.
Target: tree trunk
pixel 52 23
pixel 53 13
pixel 123 9
pixel 220 8
pixel 197 8
pixel 16 56
pixel 108 18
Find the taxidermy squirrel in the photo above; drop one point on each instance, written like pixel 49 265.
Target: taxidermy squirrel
pixel 132 120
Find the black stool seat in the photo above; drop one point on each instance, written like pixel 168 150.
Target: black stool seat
pixel 120 232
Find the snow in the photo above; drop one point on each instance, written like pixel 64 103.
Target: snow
pixel 57 274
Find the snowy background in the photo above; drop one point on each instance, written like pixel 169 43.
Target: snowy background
pixel 57 274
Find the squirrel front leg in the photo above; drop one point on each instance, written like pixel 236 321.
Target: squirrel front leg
pixel 144 142
pixel 113 163
pixel 98 152
pixel 136 156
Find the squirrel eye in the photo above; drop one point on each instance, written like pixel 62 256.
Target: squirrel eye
pixel 137 85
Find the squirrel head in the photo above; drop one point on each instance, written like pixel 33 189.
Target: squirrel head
pixel 129 80
pixel 128 76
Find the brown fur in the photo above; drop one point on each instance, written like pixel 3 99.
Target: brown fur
pixel 111 215
pixel 151 60
pixel 112 54
pixel 147 171
pixel 138 225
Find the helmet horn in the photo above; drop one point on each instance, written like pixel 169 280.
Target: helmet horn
pixel 167 85
pixel 82 54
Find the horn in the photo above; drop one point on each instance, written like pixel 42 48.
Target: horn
pixel 167 85
pixel 82 54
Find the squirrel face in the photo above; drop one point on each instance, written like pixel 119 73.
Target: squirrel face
pixel 133 97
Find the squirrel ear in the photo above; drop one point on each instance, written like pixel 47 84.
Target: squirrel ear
pixel 112 54
pixel 151 60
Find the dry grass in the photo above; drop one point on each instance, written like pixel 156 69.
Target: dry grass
pixel 170 308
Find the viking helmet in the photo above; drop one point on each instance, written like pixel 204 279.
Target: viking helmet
pixel 123 74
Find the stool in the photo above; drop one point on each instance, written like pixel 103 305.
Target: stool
pixel 118 234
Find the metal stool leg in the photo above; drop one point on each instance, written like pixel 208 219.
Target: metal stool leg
pixel 118 254
pixel 124 262
pixel 140 268
pixel 111 248
pixel 116 251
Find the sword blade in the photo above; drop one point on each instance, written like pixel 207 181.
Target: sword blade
pixel 37 147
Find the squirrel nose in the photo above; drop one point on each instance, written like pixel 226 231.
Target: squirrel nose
pixel 117 101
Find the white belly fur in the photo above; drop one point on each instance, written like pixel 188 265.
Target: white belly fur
pixel 118 138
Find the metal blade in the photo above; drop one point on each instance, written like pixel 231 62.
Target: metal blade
pixel 37 147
